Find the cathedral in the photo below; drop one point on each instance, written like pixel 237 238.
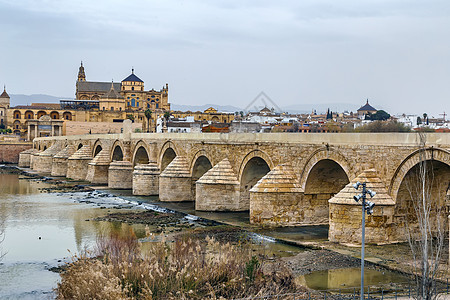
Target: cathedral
pixel 129 94
pixel 98 107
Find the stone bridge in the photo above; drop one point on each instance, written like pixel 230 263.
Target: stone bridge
pixel 282 179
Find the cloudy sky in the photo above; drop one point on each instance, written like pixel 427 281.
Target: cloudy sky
pixel 394 52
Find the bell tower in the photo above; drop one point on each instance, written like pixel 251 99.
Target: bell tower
pixel 81 75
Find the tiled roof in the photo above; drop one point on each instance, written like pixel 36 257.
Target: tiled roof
pixel 132 77
pixel 41 106
pixel 112 94
pixel 4 94
pixel 367 106
pixel 92 86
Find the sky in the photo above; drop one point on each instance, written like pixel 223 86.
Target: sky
pixel 396 53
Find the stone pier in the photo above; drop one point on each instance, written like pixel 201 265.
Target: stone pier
pixel 277 199
pixel 59 165
pixel 98 168
pixel 25 157
pixel 34 159
pixel 175 182
pixel 77 164
pixel 120 175
pixel 45 161
pixel 146 179
pixel 345 213
pixel 218 189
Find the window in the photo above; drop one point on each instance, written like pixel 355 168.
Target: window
pixel 133 102
pixel 137 104
pixel 153 96
pixel 17 116
pixel 157 105
pixel 137 98
pixel 148 105
pixel 128 103
pixel 120 108
pixel 132 88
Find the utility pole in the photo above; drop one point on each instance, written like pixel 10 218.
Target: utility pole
pixel 366 206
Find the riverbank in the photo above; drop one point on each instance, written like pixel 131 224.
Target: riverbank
pixel 312 256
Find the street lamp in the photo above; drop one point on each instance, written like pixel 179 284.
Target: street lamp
pixel 366 206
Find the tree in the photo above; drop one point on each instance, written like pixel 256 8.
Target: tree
pixel 167 115
pixel 380 126
pixel 426 240
pixel 130 117
pixel 148 115
pixel 425 118
pixel 380 115
pixel 419 120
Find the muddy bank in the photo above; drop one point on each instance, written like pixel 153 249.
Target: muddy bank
pixel 318 260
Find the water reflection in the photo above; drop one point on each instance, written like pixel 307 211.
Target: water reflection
pixel 348 278
pixel 40 228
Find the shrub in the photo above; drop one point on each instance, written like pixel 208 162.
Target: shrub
pixel 383 126
pixel 188 268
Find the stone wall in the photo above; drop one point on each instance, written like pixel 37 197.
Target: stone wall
pixel 218 197
pixel 9 152
pixel 120 175
pixel 76 128
pixel 331 159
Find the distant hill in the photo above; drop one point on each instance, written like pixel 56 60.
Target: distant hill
pixel 320 108
pixel 221 108
pixel 19 99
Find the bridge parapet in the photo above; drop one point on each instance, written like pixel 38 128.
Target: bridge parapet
pixel 321 165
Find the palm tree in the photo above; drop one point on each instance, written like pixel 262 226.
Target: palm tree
pixel 167 115
pixel 148 115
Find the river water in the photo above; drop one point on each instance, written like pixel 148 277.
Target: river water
pixel 40 228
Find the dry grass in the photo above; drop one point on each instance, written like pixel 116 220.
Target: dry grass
pixel 188 268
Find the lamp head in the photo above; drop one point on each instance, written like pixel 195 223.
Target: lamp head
pixel 371 193
pixel 356 185
pixel 369 207
pixel 357 197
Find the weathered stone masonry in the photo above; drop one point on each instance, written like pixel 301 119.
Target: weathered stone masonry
pixel 282 179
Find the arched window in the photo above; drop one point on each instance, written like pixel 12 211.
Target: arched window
pixel 133 102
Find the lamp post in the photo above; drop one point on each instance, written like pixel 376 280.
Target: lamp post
pixel 366 206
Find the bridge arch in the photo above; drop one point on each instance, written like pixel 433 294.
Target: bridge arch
pixel 97 148
pixel 254 166
pixel 324 175
pixel 428 154
pixel 324 154
pixel 117 151
pixel 141 153
pixel 406 186
pixel 200 160
pixel 167 154
pixel 200 164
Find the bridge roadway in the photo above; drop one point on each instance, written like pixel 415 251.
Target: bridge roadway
pixel 282 179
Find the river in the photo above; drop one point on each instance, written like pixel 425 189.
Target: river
pixel 40 229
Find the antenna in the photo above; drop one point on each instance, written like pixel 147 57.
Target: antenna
pixel 443 115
